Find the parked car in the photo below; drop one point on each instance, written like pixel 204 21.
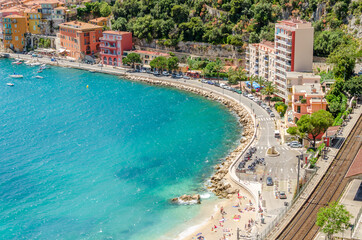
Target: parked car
pixel 156 73
pixel 203 81
pixel 272 114
pixel 296 145
pixel 250 96
pixel 269 181
pixel 165 73
pixel 282 195
pixel 173 75
pixel 186 77
pixel 143 70
pixel 178 75
pixel 269 110
pixel 292 142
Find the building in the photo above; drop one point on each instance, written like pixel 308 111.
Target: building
pixel 80 38
pixel 33 21
pixel 101 21
pixel 260 60
pixel 299 78
pixel 148 56
pixel 307 99
pixel 51 17
pixel 112 46
pixel 14 27
pixel 292 52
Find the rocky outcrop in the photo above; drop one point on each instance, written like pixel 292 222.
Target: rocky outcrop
pixel 187 199
pixel 218 184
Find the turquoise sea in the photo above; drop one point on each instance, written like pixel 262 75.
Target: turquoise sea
pixel 102 162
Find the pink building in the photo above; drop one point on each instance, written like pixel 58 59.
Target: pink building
pixel 112 46
pixel 307 99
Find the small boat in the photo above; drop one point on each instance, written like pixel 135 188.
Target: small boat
pixel 10 84
pixel 92 71
pixel 17 62
pixel 40 71
pixel 16 76
pixel 39 77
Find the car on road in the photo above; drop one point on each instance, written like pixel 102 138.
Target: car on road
pixel 173 75
pixel 165 73
pixel 292 142
pixel 296 145
pixel 186 77
pixel 156 73
pixel 204 81
pixel 269 181
pixel 272 114
pixel 178 75
pixel 269 110
pixel 282 195
pixel 250 96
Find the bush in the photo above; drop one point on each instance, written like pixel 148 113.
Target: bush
pixel 303 100
pixel 276 99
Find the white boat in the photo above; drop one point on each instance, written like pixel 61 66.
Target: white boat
pixel 38 77
pixel 16 76
pixel 17 62
pixel 10 84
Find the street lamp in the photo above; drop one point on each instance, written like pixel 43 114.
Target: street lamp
pixel 300 157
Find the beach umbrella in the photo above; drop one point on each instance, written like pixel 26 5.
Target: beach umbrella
pixel 198 234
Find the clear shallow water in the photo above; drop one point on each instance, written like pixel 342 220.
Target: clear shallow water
pixel 102 162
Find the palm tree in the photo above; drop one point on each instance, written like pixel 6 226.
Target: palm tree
pixel 261 82
pixel 252 79
pixel 218 67
pixel 268 89
pixel 238 75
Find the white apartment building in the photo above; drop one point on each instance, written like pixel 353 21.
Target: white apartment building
pixel 292 52
pixel 261 57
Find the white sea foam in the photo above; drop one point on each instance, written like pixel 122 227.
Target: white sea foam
pixel 205 195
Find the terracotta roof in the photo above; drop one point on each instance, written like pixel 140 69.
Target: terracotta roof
pixel 100 19
pixel 331 131
pixel 116 32
pixel 15 16
pixel 268 43
pixel 356 166
pixel 80 25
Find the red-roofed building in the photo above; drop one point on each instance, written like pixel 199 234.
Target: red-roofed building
pixel 355 170
pixel 148 56
pixel 113 44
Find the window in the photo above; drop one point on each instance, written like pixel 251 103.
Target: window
pixel 16 38
pixel 300 98
pixel 298 109
pixel 16 25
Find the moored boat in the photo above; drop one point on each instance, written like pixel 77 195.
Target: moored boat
pixel 38 77
pixel 16 76
pixel 10 84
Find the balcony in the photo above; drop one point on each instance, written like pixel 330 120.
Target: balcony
pixel 282 76
pixel 107 46
pixel 284 35
pixel 106 39
pixel 109 54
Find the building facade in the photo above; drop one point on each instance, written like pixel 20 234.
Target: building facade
pixel 33 19
pixel 292 51
pixel 101 21
pixel 112 46
pixel 307 99
pixel 51 18
pixel 80 38
pixel 14 27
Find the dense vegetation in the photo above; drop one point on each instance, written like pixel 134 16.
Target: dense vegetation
pixel 229 21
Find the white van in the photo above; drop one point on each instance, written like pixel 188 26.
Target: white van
pixel 277 134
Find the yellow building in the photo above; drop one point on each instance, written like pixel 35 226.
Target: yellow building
pixel 14 27
pixel 33 19
pixel 101 21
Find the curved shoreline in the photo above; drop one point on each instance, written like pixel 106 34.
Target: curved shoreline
pixel 224 170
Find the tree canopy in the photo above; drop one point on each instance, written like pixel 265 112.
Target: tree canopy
pixel 333 218
pixel 310 126
pixel 132 58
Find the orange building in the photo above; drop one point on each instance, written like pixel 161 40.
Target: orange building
pixel 307 99
pixel 33 19
pixel 80 38
pixel 101 21
pixel 14 27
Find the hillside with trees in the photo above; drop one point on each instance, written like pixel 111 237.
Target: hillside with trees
pixel 233 22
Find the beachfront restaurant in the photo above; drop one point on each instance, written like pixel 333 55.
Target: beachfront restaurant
pixel 256 86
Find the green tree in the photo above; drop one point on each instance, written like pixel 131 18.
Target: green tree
pixel 119 24
pixel 281 108
pixel 159 63
pixel 179 13
pixel 341 9
pixel 237 75
pixel 354 86
pixel 172 63
pixel 132 59
pixel 192 30
pixel 268 90
pixel 310 126
pixel 236 40
pixel 333 218
pixel 344 59
pixel 263 14
pixel 142 27
pixel 254 37
pixel 261 81
pixel 325 42
pixel 104 9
